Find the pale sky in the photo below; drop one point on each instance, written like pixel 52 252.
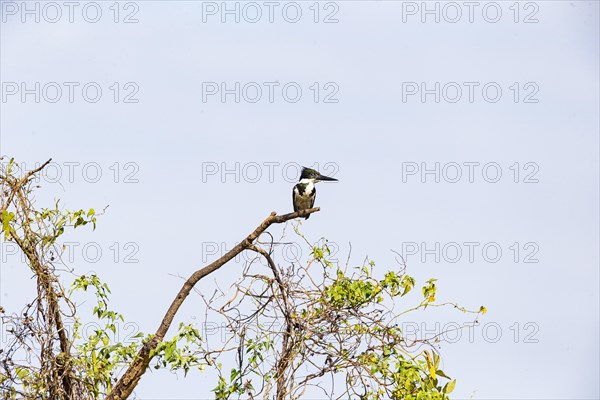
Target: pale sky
pixel 492 189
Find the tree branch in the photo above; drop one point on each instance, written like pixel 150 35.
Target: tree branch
pixel 18 184
pixel 124 387
pixel 28 245
pixel 285 359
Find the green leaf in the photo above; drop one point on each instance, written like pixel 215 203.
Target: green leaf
pixel 6 218
pixel 234 374
pixel 450 386
pixel 22 373
pixel 441 373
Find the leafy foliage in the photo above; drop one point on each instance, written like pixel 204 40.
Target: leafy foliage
pixel 50 354
pixel 293 328
pixel 323 319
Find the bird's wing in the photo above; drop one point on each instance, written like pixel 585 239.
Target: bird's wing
pixel 294 198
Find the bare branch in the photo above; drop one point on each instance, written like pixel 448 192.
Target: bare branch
pixel 130 379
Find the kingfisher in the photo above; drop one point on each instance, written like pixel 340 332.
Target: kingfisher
pixel 305 192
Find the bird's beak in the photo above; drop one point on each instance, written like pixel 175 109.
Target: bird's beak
pixel 325 178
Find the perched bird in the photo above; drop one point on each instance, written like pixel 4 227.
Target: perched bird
pixel 304 192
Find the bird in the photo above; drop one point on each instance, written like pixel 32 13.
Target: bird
pixel 305 192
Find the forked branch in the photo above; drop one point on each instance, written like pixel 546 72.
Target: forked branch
pixel 124 387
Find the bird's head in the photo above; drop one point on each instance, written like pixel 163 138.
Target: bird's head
pixel 314 175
